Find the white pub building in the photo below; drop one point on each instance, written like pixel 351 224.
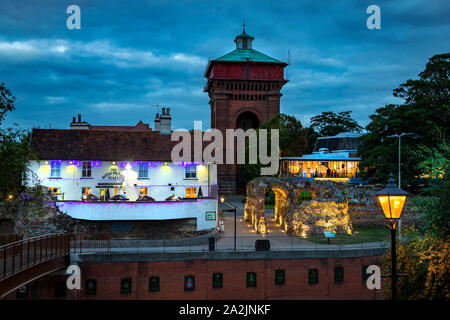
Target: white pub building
pixel 123 173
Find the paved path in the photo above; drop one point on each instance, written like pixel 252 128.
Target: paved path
pixel 246 237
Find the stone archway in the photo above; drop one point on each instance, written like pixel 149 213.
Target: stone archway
pixel 247 120
pixel 328 209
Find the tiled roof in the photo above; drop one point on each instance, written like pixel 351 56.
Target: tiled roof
pixel 72 144
pixel 247 55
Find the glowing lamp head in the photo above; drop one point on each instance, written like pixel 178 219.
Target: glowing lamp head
pixel 128 166
pixel 392 200
pixel 46 162
pixel 165 163
pixel 222 199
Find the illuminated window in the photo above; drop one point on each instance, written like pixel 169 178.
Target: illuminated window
pixel 85 192
pixel 190 172
pixel 87 169
pixel 143 191
pixel 191 192
pixel 55 190
pixel 153 284
pixel 143 169
pixel 313 276
pixel 55 168
pixel 217 280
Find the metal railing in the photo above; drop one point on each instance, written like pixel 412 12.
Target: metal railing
pixel 90 243
pixel 8 238
pixel 23 254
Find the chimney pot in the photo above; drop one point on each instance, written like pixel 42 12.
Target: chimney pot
pixel 168 111
pixel 74 119
pixel 79 117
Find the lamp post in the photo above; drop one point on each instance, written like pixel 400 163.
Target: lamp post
pixel 399 136
pixel 392 200
pixel 222 199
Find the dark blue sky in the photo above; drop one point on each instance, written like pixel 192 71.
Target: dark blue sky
pixel 130 55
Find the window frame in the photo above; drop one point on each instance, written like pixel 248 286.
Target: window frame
pixel 93 291
pixel 280 277
pixel 217 283
pixel 189 173
pixel 85 171
pixel 55 166
pixel 192 193
pixel 313 280
pixel 152 288
pixel 142 169
pixel 249 282
pixel 341 278
pixel 124 290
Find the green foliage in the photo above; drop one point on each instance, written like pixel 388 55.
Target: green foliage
pixel 15 152
pixel 304 196
pixel 425 261
pixel 425 112
pixel 330 123
pixel 6 101
pixel 311 136
pixel 292 142
pixel 269 197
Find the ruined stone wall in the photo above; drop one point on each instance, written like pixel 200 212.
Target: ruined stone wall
pixel 335 205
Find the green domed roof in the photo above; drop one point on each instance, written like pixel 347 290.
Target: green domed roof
pixel 247 55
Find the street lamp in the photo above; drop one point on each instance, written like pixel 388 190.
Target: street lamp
pixel 222 200
pixel 399 136
pixel 392 200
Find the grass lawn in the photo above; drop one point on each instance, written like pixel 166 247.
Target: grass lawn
pixel 359 235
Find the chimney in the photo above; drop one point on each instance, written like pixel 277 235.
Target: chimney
pixel 157 123
pixel 165 122
pixel 79 124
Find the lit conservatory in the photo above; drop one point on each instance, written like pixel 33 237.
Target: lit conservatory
pixel 333 157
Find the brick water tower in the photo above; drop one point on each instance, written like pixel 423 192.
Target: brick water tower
pixel 244 90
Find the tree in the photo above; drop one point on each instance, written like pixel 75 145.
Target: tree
pixel 292 142
pixel 330 123
pixel 15 152
pixel 424 112
pixel 7 100
pixel 424 260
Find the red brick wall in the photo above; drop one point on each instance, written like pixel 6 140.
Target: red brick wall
pixel 246 70
pixel 172 273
